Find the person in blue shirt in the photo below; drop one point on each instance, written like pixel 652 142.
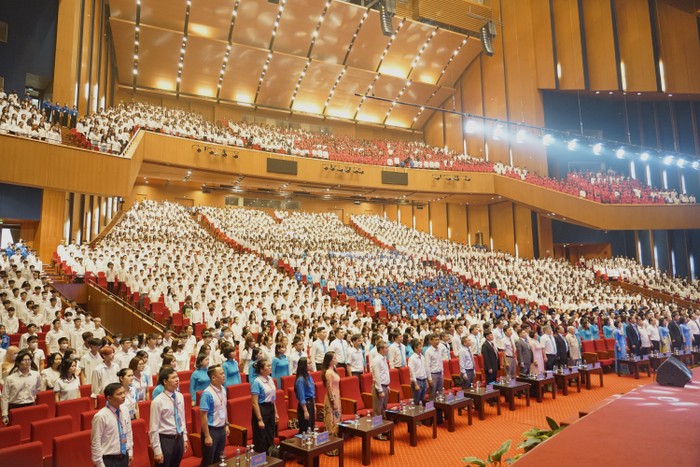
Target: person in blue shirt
pixel 620 343
pixel 264 417
pixel 4 338
pixel 608 328
pixel 687 336
pixel 230 366
pixel 199 380
pixel 280 364
pixel 584 331
pixel 305 392
pixel 256 355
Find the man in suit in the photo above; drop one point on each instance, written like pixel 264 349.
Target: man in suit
pixel 676 335
pixel 489 353
pixel 634 339
pixel 562 346
pixel 525 355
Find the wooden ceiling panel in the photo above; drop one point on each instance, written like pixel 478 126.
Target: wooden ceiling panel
pixel 280 79
pixel 389 87
pixel 418 92
pixel 373 111
pixel 402 116
pixel 123 36
pixel 123 9
pixel 435 56
pixel 317 83
pixel 254 23
pixel 404 49
pixel 297 25
pixel 369 45
pixel 165 14
pixel 242 74
pixel 210 19
pixel 344 102
pixel 200 73
pixel 159 53
pixel 467 53
pixel 336 32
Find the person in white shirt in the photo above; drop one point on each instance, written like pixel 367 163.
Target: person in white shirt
pixel 38 354
pixel 111 438
pixel 104 373
pixel 380 375
pixel 54 335
pixel 466 363
pixel 434 370
pixel 357 356
pixel 549 347
pixel 397 351
pixel 417 370
pixel 296 354
pixel 168 424
pixel 340 347
pixel 318 349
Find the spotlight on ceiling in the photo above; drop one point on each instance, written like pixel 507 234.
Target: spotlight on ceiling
pixel 548 140
pixel 498 132
pixel 644 156
pixel 572 145
pixel 520 136
pixel 680 163
pixel 597 149
pixel 387 10
pixel 695 165
pixel 668 160
pixel 620 153
pixel 472 127
pixel 487 33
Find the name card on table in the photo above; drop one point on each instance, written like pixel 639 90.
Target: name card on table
pixel 258 460
pixel 597 365
pixel 450 397
pixel 460 395
pixel 646 357
pixel 322 438
pixel 430 405
pixel 489 387
pixel 376 421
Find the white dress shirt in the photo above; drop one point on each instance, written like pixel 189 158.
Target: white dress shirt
pixel 433 361
pixel 380 372
pixel 417 367
pixel 104 439
pixel 163 418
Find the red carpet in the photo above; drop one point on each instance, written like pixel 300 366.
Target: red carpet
pixel 486 436
pixel 651 426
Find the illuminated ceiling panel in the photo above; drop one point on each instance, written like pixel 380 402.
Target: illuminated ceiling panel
pixel 467 53
pixel 243 73
pixel 165 14
pixel 123 34
pixel 123 9
pixel 373 111
pixel 344 101
pixel 200 70
pixel 336 32
pixel 369 45
pixel 318 82
pixel 210 19
pixel 436 55
pixel 402 116
pixel 403 50
pixel 254 23
pixel 297 26
pixel 159 52
pixel 279 81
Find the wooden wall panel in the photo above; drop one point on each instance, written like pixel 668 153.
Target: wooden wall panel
pixel 634 38
pixel 679 48
pixel 453 132
pixel 433 130
pixel 391 212
pixel 457 223
pixel 406 216
pixel 567 37
pixel 502 228
pixel 542 35
pixel 66 56
pixel 438 219
pixel 545 240
pixel 600 45
pixel 422 218
pixel 523 231
pixel 472 104
pixel 478 223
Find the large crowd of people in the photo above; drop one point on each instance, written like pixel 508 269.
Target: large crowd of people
pixel 259 324
pixel 110 129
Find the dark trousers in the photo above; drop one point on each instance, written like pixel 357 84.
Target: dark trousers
pixel 173 448
pixel 116 460
pixel 379 402
pixel 305 424
pixel 656 345
pixel 110 287
pixel 551 361
pixel 211 454
pixel 419 394
pixel 263 438
pixel 696 340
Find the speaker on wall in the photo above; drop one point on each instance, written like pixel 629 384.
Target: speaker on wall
pixel 673 372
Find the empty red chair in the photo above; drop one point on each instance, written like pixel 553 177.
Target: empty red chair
pixel 316 376
pixel 10 436
pixel 600 347
pixel 48 398
pixel 24 416
pixel 85 390
pixel 288 382
pixel 145 411
pixel 284 432
pixel 240 412
pixel 366 382
pixel 26 455
pixel 238 390
pixel 184 376
pixel 46 430
pixel 72 450
pixel 74 408
pixel 341 372
pixel 352 401
pixel 86 419
pixel 139 430
pixel 405 379
pixel 447 374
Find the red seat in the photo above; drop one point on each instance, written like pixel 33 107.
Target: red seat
pixel 284 432
pixel 405 379
pixel 72 450
pixel 352 401
pixel 240 412
pixel 145 411
pixel 48 398
pixel 447 374
pixel 341 372
pixel 45 431
pixel 366 382
pixel 238 390
pixel 141 442
pixel 85 390
pixel 288 382
pixel 86 419
pixel 26 455
pixel 184 376
pixel 316 376
pixel 24 416
pixel 74 408
pixel 10 436
pixel 599 345
pixel 395 390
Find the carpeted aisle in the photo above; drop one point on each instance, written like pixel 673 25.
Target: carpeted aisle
pixel 484 436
